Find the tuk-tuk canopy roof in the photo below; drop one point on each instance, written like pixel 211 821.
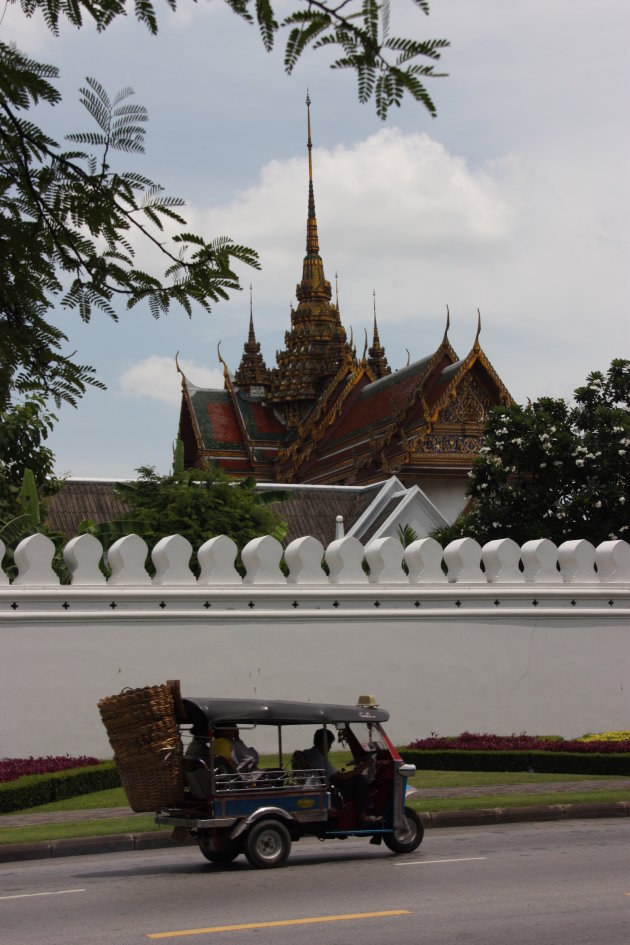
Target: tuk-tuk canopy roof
pixel 278 712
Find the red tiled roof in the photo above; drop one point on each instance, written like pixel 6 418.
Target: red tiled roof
pixel 223 422
pixel 375 405
pixel 266 420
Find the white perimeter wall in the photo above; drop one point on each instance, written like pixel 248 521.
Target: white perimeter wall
pixel 502 650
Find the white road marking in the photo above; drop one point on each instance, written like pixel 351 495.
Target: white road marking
pixel 58 892
pixel 459 859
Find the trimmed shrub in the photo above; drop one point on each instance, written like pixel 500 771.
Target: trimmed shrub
pixel 606 737
pixel 558 762
pixel 475 741
pixel 33 790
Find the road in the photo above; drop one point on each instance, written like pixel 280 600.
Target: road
pixel 556 883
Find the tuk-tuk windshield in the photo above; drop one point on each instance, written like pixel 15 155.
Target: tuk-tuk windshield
pixel 368 735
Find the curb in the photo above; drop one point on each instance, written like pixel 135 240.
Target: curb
pixel 509 815
pixel 155 840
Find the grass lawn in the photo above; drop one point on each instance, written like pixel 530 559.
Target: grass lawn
pixel 83 828
pixel 115 797
pixel 516 800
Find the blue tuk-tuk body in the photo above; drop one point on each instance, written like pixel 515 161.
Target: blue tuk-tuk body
pixel 235 806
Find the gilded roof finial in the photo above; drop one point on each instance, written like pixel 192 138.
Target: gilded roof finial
pixel 225 367
pixel 309 143
pixel 448 325
pixel 476 345
pixel 337 290
pixel 312 242
pixel 252 336
pixel 377 360
pixel 408 357
pixel 376 338
pixel 177 364
pixel 365 347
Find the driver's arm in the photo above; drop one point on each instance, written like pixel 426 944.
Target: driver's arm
pixel 359 768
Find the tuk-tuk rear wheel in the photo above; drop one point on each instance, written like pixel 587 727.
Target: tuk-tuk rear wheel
pixel 408 836
pixel 218 849
pixel 268 844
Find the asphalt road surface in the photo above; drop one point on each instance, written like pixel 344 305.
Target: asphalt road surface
pixel 555 883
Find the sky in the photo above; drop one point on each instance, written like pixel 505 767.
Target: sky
pixel 514 200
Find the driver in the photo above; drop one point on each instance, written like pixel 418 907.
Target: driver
pixel 351 784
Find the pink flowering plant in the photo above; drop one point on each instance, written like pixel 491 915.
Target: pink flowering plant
pixel 474 741
pixel 13 768
pixel 554 470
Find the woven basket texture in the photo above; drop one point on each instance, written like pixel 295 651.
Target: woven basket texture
pixel 143 732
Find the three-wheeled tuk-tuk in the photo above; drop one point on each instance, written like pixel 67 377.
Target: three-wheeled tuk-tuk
pixel 234 806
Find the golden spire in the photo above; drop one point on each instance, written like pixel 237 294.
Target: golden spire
pixel 377 360
pixel 312 242
pixel 376 338
pixel 316 346
pixel 252 336
pixel 252 371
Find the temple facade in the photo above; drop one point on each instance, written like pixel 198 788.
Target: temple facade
pixel 323 415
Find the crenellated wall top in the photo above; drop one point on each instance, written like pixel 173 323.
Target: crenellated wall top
pixel 344 563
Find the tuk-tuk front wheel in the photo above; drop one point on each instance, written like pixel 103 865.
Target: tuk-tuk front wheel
pixel 407 837
pixel 268 844
pixel 218 849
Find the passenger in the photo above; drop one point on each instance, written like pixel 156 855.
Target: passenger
pixel 199 747
pixel 228 745
pixel 351 784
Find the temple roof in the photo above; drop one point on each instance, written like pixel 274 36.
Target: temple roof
pixel 322 415
pixel 307 510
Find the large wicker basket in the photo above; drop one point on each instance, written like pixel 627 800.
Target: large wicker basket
pixel 142 729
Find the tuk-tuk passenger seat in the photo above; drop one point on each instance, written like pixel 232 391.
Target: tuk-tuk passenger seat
pixel 197 778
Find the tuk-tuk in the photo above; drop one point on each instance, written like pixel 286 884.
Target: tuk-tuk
pixel 233 807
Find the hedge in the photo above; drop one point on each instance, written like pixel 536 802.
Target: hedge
pixel 36 789
pixel 560 762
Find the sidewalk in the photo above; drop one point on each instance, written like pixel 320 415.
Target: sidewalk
pixel 156 839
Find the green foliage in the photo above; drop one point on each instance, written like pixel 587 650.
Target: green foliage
pixel 178 457
pixel 406 535
pixel 36 789
pixel 539 761
pixel 357 32
pixel 70 219
pixel 76 218
pixel 28 493
pixel 555 470
pixel 195 503
pixel 386 66
pixel 24 428
pixel 26 477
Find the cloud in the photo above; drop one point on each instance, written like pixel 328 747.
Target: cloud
pixel 535 242
pixel 157 378
pixel 385 207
